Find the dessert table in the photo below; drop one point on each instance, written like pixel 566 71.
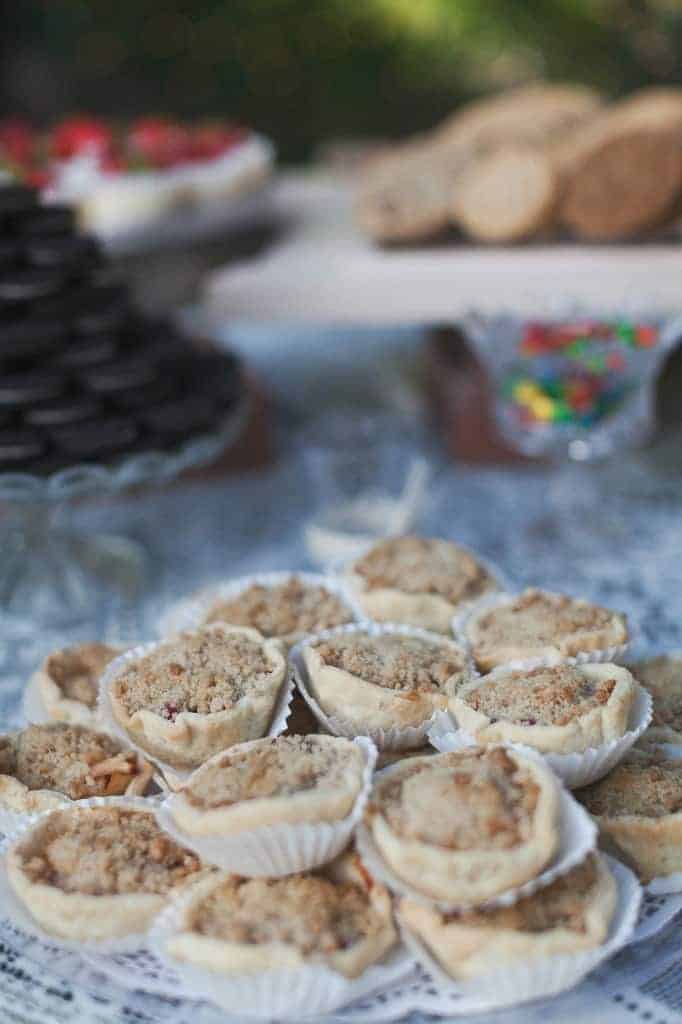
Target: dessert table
pixel 200 531
pixel 324 271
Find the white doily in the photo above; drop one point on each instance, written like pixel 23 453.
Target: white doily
pixel 144 977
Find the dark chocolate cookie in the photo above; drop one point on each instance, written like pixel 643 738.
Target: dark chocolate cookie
pixel 61 411
pixel 18 389
pixel 98 439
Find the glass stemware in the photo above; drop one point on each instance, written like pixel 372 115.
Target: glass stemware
pixel 574 388
pixel 54 574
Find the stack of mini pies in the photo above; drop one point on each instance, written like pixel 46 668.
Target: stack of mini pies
pixel 158 796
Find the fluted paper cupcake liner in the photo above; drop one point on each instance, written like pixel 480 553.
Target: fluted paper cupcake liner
pixel 397 738
pixel 462 621
pixel 169 777
pixel 577 837
pixel 284 994
pixel 527 979
pixel 20 916
pixel 574 770
pixel 189 613
pixel 280 849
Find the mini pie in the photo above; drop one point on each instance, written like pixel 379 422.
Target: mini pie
pixel 287 611
pixel 539 624
pixel 199 693
pixel 337 917
pixel 42 764
pixel 91 873
pixel 560 708
pixel 662 677
pixel 287 779
pixel 465 826
pixel 638 808
pixel 67 681
pixel 417 581
pixel 571 915
pixel 380 681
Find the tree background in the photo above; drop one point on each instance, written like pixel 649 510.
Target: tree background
pixel 307 70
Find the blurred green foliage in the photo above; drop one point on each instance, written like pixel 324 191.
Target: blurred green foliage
pixel 305 70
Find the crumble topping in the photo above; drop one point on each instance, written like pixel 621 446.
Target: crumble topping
pixel 275 767
pixel 644 783
pixel 543 696
pixel 283 609
pixel 419 565
pixel 562 904
pixel 484 801
pixel 76 670
pixel 395 661
pixel 538 619
pixel 71 759
pixel 307 911
pixel 662 677
pixel 103 851
pixel 203 672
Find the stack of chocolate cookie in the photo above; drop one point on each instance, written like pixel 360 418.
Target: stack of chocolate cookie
pixel 84 377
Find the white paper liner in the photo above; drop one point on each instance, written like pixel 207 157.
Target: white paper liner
pixel 574 770
pixel 281 849
pixel 283 994
pixel 577 837
pixel 461 622
pixel 524 980
pixel 169 777
pixel 15 910
pixel 190 612
pixel 397 738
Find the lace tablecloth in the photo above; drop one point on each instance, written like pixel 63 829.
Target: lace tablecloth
pixel 627 552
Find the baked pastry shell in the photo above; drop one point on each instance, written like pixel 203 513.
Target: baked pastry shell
pixel 99 924
pixel 421 610
pixel 577 836
pixel 281 847
pixel 224 731
pixel 290 992
pixel 392 720
pixel 20 805
pixel 45 702
pixel 190 612
pixel 574 769
pixel 534 975
pixel 652 847
pixel 514 658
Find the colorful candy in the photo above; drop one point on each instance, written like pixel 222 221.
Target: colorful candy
pixel 574 373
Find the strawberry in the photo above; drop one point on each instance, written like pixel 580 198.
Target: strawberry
pixel 214 138
pixel 17 141
pixel 39 177
pixel 78 135
pixel 158 142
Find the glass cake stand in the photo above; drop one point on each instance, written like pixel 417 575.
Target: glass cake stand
pixel 575 387
pixel 53 574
